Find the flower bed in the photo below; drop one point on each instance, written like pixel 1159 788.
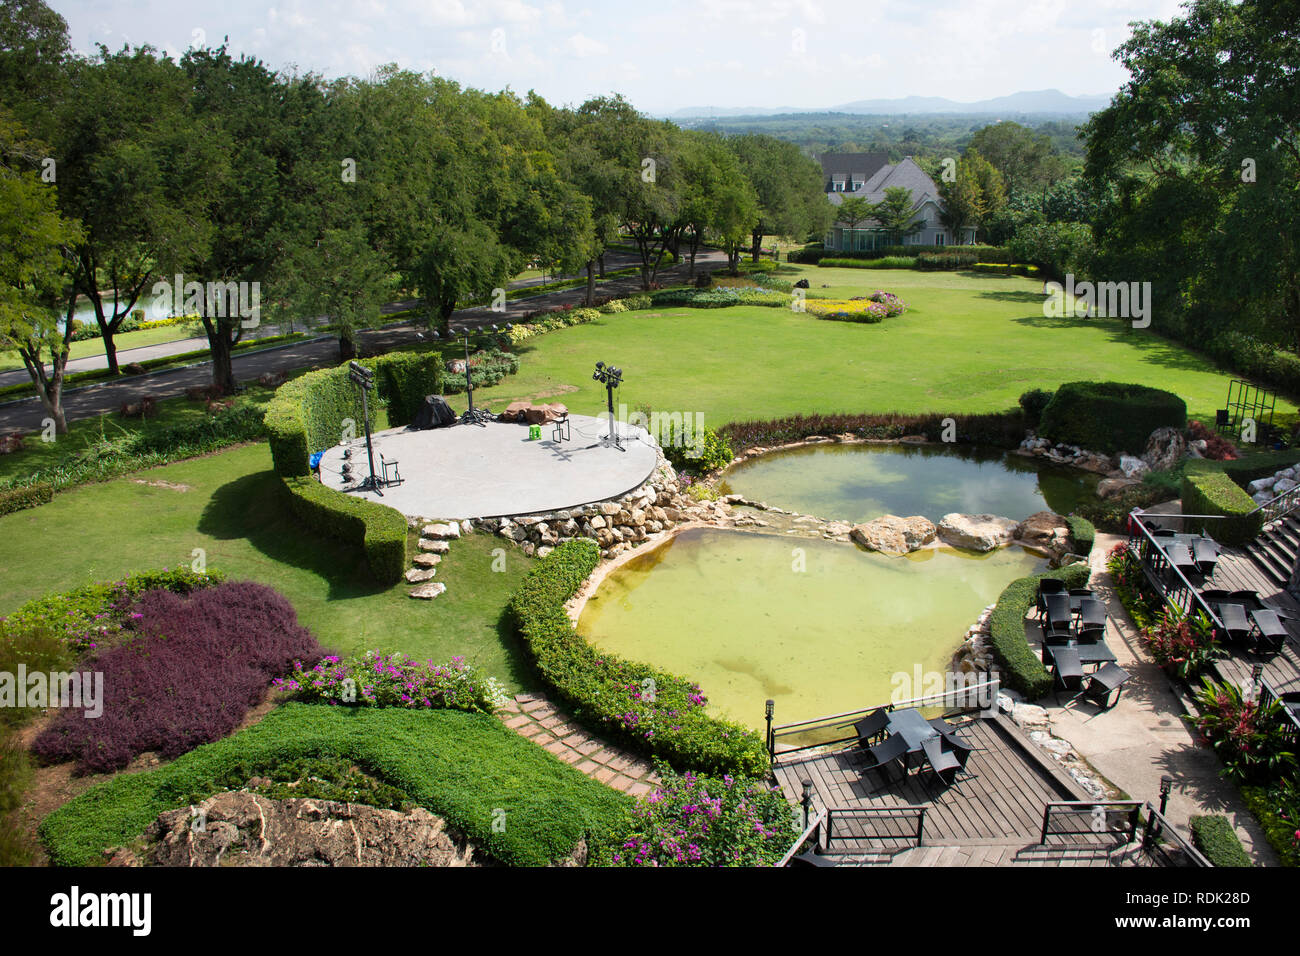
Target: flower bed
pixel 704 821
pixel 186 676
pixel 394 680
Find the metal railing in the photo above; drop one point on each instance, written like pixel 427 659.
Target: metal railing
pixel 970 697
pixel 1159 830
pixel 856 825
pixel 1267 695
pixel 811 832
pixel 1163 574
pixel 1117 817
pixel 1280 506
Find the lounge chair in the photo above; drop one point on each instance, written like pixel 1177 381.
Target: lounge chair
pixel 944 764
pixel 1235 623
pixel 1205 553
pixel 872 727
pixel 1047 586
pixel 1109 679
pixel 1058 616
pixel 1269 631
pixel 893 748
pixel 1092 613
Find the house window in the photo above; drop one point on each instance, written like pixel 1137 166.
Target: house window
pixel 938 239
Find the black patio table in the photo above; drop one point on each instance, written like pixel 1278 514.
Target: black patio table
pixel 912 727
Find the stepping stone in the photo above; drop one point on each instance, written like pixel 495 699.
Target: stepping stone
pixel 426 560
pixel 434 547
pixel 420 575
pixel 441 531
pixel 427 592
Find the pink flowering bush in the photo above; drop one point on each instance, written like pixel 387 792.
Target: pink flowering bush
pixel 394 680
pixel 704 821
pixel 185 672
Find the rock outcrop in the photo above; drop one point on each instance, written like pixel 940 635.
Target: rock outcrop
pixel 1165 447
pixel 894 535
pixel 246 829
pixel 976 532
pixel 1047 531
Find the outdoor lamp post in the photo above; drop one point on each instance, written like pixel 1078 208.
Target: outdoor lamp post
pixel 769 709
pixel 806 802
pixel 1166 785
pixel 1256 680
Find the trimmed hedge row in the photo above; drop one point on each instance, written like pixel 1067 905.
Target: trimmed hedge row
pixel 25 496
pixel 377 531
pixel 466 768
pixel 1210 491
pixel 1110 416
pixel 1021 668
pixel 1213 835
pixel 814 253
pixel 306 415
pixel 1082 532
pixel 647 710
pixel 998 429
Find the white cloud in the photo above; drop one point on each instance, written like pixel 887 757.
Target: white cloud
pixel 582 46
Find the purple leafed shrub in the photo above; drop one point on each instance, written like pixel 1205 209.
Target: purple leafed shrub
pixel 192 670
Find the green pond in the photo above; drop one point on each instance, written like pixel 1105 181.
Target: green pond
pixel 818 626
pixel 860 482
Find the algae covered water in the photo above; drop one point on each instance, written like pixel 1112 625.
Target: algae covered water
pixel 818 626
pixel 860 482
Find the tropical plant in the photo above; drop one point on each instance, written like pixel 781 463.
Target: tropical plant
pixel 1182 644
pixel 1247 734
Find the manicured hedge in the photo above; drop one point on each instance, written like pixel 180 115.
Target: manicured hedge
pixel 1279 825
pixel 464 767
pixel 647 710
pixel 999 429
pixel 884 262
pixel 25 496
pixel 1021 668
pixel 379 532
pixel 1209 491
pixel 1082 533
pixel 814 253
pixel 1213 835
pixel 306 415
pixel 1110 416
pixel 721 297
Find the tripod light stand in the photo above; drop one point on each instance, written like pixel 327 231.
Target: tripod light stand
pixel 612 378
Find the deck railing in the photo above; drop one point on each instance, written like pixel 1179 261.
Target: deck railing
pixel 1290 721
pixel 1118 817
pixel 1164 576
pixel 811 832
pixel 1158 831
pixel 856 825
pixel 975 696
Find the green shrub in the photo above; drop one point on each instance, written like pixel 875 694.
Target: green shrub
pixel 1110 416
pixel 815 253
pixel 647 710
pixel 1032 403
pixel 1209 491
pixel 1020 666
pixel 885 262
pixel 377 531
pixel 1082 534
pixel 718 298
pixel 697 453
pixel 466 768
pixel 25 496
pixel 489 367
pixel 636 303
pixel 1017 269
pixel 306 415
pixel 1277 808
pixel 1259 361
pixel 955 259
pixel 1213 836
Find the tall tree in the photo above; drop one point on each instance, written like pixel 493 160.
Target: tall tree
pixel 35 245
pixel 717 199
pixel 976 194
pixel 791 194
pixel 34 51
pixel 857 209
pixel 896 212
pixel 1027 160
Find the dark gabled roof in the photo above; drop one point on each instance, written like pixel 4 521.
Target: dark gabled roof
pixel 906 173
pixel 840 167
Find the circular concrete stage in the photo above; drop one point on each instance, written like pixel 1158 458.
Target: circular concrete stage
pixel 467 471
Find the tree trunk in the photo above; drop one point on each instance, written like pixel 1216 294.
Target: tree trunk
pixel 347 349
pixel 591 283
pixel 223 369
pixel 110 350
pixel 445 309
pixel 758 245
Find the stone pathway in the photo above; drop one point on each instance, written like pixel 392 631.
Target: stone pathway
pixel 533 716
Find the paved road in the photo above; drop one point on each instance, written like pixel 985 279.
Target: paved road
pixel 613 262
pixel 93 400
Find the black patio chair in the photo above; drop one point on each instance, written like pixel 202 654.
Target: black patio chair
pixel 1092 613
pixel 1059 618
pixel 943 764
pixel 872 727
pixel 893 749
pixel 1269 632
pixel 1048 586
pixel 1235 623
pixel 1246 598
pixel 1108 679
pixel 1215 595
pixel 1205 552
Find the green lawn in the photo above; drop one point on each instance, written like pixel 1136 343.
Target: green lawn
pixel 968 343
pixel 127 340
pixel 231 507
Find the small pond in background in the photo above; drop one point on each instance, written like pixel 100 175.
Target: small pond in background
pixel 729 610
pixel 859 482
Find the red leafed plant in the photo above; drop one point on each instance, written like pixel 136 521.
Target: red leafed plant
pixel 1216 446
pixel 189 673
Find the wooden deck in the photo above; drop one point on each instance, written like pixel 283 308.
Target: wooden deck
pixel 1236 570
pixel 992 815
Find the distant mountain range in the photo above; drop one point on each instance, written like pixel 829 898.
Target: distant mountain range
pixel 1036 101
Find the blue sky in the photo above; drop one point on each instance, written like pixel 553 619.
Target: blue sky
pixel 662 54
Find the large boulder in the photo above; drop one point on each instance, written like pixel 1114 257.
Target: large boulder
pixel 1164 448
pixel 1094 461
pixel 1133 467
pixel 976 532
pixel 246 829
pixel 1046 531
pixel 1114 487
pixel 894 535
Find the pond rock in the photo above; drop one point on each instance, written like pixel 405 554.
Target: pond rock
pixel 891 534
pixel 1045 530
pixel 1164 448
pixel 976 532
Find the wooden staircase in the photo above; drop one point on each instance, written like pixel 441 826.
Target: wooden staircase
pixel 1276 548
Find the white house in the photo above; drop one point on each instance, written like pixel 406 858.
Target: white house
pixel 868 175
